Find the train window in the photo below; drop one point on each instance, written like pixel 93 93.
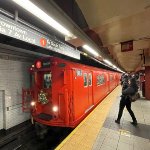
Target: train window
pixel 85 79
pixel 111 77
pixel 90 79
pixel 47 80
pixel 79 72
pixel 100 79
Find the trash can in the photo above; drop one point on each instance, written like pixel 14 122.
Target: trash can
pixel 143 88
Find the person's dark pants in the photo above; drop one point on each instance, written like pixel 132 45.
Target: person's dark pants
pixel 125 102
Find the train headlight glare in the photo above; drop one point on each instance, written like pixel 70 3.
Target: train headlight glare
pixel 32 103
pixel 55 108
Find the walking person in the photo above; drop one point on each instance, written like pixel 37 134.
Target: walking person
pixel 123 77
pixel 127 91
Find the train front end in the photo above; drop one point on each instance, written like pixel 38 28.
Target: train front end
pixel 49 105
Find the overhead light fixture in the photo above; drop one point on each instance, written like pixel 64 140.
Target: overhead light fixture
pixel 114 66
pixel 85 54
pixel 36 11
pixel 89 49
pixel 108 62
pixel 120 70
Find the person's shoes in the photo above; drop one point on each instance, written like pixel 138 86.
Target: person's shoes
pixel 134 123
pixel 117 121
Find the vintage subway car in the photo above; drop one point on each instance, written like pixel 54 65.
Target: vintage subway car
pixel 65 92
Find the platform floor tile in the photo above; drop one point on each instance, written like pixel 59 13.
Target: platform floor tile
pixel 127 136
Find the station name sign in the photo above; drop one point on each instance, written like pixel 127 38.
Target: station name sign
pixel 16 30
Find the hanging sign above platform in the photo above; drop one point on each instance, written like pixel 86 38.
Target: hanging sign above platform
pixel 127 46
pixel 16 30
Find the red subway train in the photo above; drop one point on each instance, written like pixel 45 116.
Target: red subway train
pixel 65 92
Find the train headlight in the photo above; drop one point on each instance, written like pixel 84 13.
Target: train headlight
pixel 55 108
pixel 32 103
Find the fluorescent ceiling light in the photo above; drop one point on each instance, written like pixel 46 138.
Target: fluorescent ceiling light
pixel 36 11
pixel 120 70
pixel 108 62
pixel 114 67
pixel 89 49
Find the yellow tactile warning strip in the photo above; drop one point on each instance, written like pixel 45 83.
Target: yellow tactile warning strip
pixel 84 135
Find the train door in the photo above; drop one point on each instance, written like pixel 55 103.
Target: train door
pixel 43 82
pixel 80 92
pixel 108 82
pixel 90 89
pixel 1 110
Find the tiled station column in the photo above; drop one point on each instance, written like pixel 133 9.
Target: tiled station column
pixel 147 82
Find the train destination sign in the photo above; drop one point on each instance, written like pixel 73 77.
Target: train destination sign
pixel 46 63
pixel 16 30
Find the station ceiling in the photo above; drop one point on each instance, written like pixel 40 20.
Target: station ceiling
pixel 119 21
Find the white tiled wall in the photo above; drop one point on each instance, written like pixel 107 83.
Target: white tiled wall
pixel 1 110
pixel 13 76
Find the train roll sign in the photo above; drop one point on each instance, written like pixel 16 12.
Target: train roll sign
pixel 43 64
pixel 46 63
pixel 127 46
pixel 14 29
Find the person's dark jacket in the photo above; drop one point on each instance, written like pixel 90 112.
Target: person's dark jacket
pixel 132 89
pixel 129 91
pixel 125 85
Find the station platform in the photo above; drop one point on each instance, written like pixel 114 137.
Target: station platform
pixel 99 131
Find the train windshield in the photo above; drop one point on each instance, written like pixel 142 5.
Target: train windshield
pixel 47 80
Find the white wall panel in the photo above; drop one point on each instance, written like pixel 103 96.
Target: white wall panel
pixel 1 109
pixel 13 76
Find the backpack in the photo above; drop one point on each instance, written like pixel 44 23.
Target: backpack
pixel 134 97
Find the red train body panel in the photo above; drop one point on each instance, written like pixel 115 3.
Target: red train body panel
pixel 71 91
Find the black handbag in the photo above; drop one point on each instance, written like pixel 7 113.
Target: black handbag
pixel 134 97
